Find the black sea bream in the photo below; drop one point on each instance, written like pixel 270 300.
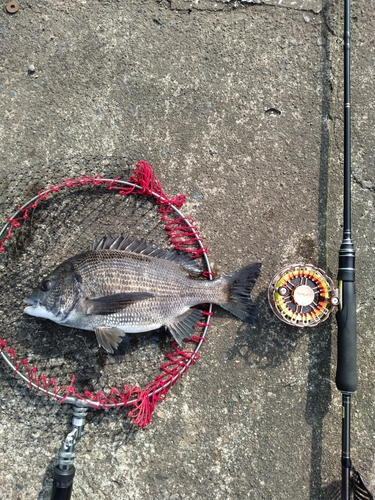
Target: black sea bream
pixel 123 286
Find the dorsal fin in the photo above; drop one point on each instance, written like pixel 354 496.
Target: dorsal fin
pixel 127 244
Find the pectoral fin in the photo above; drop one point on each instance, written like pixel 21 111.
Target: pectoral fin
pixel 183 327
pixel 111 304
pixel 109 338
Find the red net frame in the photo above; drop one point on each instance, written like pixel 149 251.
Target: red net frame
pixel 185 236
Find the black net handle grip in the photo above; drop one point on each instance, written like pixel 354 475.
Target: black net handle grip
pixel 62 483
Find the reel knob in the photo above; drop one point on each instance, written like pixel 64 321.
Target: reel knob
pixel 335 301
pixel 282 291
pixel 302 295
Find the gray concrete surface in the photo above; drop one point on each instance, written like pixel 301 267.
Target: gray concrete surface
pixel 192 87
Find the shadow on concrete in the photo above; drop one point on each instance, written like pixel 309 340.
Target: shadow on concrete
pixel 274 342
pixel 320 338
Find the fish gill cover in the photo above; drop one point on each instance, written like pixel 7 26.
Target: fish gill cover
pixel 58 223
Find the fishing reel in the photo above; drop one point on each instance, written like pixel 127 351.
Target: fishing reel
pixel 302 295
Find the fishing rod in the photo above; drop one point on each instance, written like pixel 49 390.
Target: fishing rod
pixel 303 295
pixel 346 373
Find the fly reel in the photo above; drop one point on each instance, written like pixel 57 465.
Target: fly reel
pixel 302 295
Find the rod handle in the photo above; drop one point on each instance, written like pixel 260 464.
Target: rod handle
pixel 346 374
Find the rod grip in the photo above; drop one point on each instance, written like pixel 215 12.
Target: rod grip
pixel 346 374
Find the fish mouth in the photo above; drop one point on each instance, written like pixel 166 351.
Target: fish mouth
pixel 32 302
pixel 33 306
pixel 37 309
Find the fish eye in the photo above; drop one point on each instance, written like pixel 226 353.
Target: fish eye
pixel 45 285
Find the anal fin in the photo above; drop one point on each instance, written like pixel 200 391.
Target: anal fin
pixel 184 325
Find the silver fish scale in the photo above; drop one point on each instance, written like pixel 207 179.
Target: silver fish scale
pixel 110 272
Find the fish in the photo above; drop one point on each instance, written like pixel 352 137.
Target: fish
pixel 123 285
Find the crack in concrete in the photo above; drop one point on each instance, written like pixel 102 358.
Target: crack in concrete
pixel 367 185
pixel 313 6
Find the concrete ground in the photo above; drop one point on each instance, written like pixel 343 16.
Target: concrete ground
pixel 238 105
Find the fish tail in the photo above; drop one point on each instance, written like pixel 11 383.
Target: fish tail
pixel 240 283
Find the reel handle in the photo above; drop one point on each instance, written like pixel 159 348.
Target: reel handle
pixel 346 374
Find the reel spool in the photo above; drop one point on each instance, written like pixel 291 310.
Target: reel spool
pixel 302 295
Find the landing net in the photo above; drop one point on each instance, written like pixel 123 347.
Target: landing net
pixel 66 363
